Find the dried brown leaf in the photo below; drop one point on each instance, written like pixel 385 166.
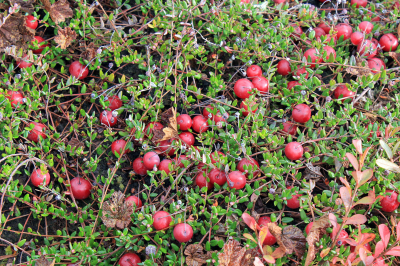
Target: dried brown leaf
pixel 116 211
pixel 318 229
pixel 43 261
pixel 74 142
pixel 195 255
pixel 232 253
pixel 171 130
pixel 290 239
pixel 249 257
pixel 362 68
pixel 89 53
pixel 395 56
pixel 26 5
pixel 14 32
pixel 65 37
pixel 312 172
pixel 59 11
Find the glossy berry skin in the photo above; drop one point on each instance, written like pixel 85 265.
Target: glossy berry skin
pixel 80 188
pixel 135 201
pixel 343 92
pixel 301 113
pixel 297 30
pixel 15 97
pixel 107 119
pixel 217 156
pixel 164 165
pixel 283 67
pixel 312 56
pixel 129 259
pixel 207 113
pixel 151 160
pixel 269 239
pixel 356 37
pixel 218 117
pixel 201 181
pixel 162 219
pixel 166 146
pixel 183 232
pixel 359 3
pixel 289 128
pixel 308 227
pixel 217 176
pixel 24 64
pixel 139 167
pixel 38 130
pixel 294 202
pixel 187 138
pixel 376 65
pixel 319 32
pixel 389 202
pixel 247 112
pixel 41 44
pixel 328 51
pixel 366 27
pixel 291 84
pixel 250 164
pixel 300 71
pixel 325 27
pixel 118 147
pixel 37 178
pixel 389 42
pixel 184 122
pixel 115 102
pixel 254 71
pixel 31 22
pixel 243 88
pixel 344 30
pixel 261 84
pixel 200 124
pixel 78 70
pixel 151 126
pixel 342 234
pixel 367 49
pixel 294 151
pixel 236 180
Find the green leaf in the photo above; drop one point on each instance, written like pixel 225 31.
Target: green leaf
pixel 21 243
pixel 386 148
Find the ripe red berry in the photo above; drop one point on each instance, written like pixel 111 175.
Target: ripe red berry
pixel 129 259
pixel 179 160
pixel 166 146
pixel 151 160
pixel 218 117
pixel 344 30
pixel 201 181
pixel 217 156
pixel 162 220
pixel 289 128
pixel 37 131
pixel 319 32
pixel 297 30
pixel 183 232
pixel 31 22
pixel 254 71
pixel 41 43
pixel 37 178
pixel 151 126
pixel 294 151
pixel 301 113
pixel 312 56
pixel 243 88
pixel 291 84
pixel 251 164
pixel 308 227
pixel 300 71
pixel 184 122
pixel 207 111
pixel 78 70
pixel 187 138
pixel 325 27
pixel 279 1
pixel 115 102
pixel 356 37
pixel 269 239
pixel 236 180
pixel 343 92
pixel 328 50
pixel 376 65
pixel 244 106
pixel 283 67
pixel 139 167
pixel 359 3
pixel 217 176
pixel 15 97
pixel 377 133
pixel 294 202
pixel 80 188
pixel 22 63
pixel 366 27
pixel 342 235
pixel 135 202
pixel 389 42
pixel 164 165
pixel 261 84
pixel 107 118
pixel 367 49
pixel 118 147
pixel 200 124
pixel 389 202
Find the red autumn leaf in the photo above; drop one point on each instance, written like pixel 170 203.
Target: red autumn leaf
pixel 379 248
pixel 362 157
pixel 369 260
pixel 384 232
pixel 346 197
pixel 344 181
pixel 258 262
pixel 350 241
pixel 352 160
pixel 356 219
pixel 363 255
pixel 267 258
pixel 278 253
pixel 333 220
pixel 365 176
pixel 398 232
pixel 394 251
pixel 263 234
pixel 358 145
pixel 250 221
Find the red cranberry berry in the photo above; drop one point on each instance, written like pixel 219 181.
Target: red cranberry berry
pixel 319 32
pixel 289 128
pixel 247 112
pixel 251 164
pixel 107 118
pixel 183 232
pixel 78 70
pixel 294 151
pixel 359 3
pixel 312 56
pixel 291 84
pixel 80 188
pixel 207 111
pixel 342 235
pixel 269 239
pixel 15 97
pixel 254 71
pixel 22 63
pixel 184 122
pixel 115 102
pixel 261 84
pixel 366 27
pixel 367 49
pixel 139 167
pixel 344 30
pixel 377 133
pixel 328 50
pixel 243 88
pixel 389 42
pixel 217 156
pixel 343 92
pixel 41 44
pixel 164 165
pixel 37 131
pixel 297 30
pixel 300 71
pixel 166 146
pixel 38 178
pixel 129 259
pixel 217 176
pixel 151 160
pixel 151 126
pixel 200 124
pixel 135 202
pixel 325 27
pixel 31 22
pixel 294 202
pixel 201 181
pixel 308 227
pixel 283 67
pixel 356 38
pixel 162 220
pixel 236 180
pixel 118 147
pixel 179 160
pixel 301 113
pixel 187 138
pixel 376 65
pixel 389 202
